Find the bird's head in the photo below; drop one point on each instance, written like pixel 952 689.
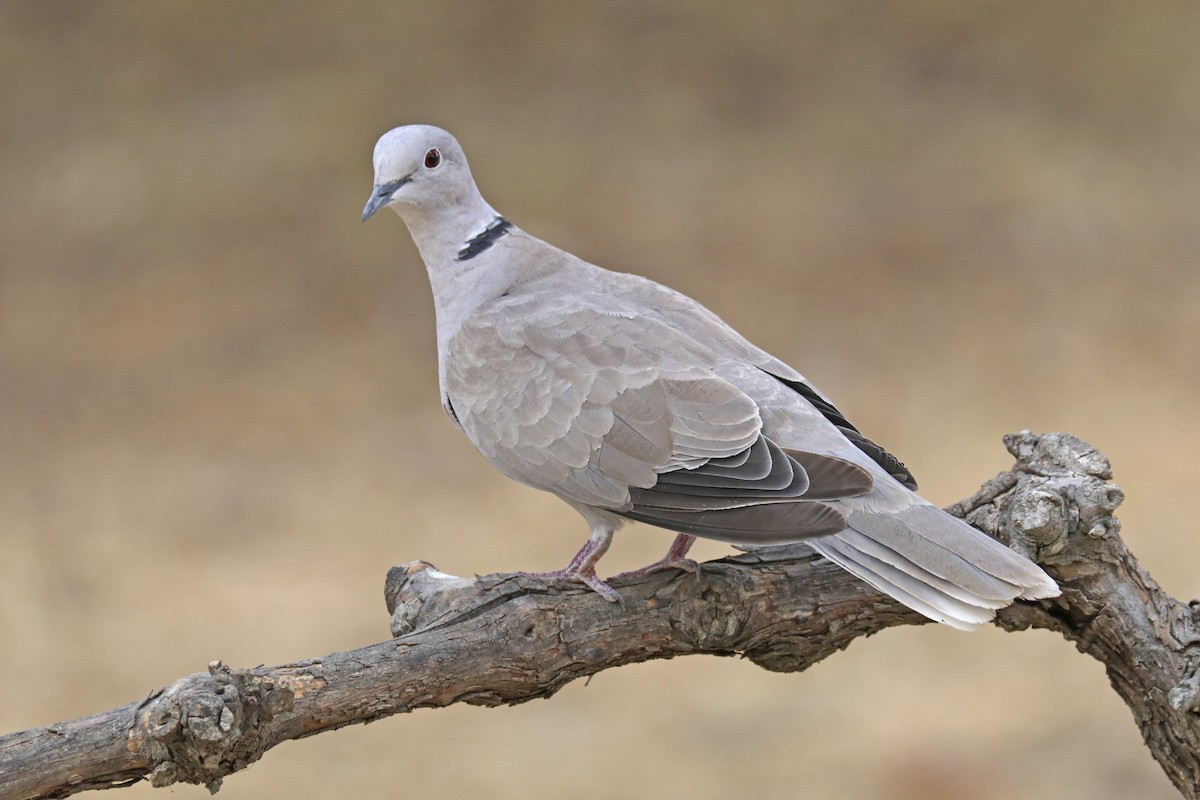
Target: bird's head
pixel 419 168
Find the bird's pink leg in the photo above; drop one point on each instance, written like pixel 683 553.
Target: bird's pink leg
pixel 676 558
pixel 582 568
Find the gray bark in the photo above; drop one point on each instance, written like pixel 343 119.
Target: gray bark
pixel 506 639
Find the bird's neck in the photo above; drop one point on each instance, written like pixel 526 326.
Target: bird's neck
pixel 441 233
pixel 456 243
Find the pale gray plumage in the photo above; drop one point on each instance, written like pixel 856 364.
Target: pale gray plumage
pixel 632 401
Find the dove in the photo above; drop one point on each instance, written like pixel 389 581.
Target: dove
pixel 631 401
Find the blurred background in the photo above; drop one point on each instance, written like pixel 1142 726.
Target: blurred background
pixel 219 420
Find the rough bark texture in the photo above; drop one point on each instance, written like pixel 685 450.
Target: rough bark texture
pixel 507 639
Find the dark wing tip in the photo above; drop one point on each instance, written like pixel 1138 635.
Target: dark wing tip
pixel 772 496
pixel 832 478
pixel 760 525
pixel 894 466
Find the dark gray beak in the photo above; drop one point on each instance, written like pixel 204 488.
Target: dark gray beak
pixel 382 195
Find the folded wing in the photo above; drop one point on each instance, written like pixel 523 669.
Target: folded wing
pixel 626 413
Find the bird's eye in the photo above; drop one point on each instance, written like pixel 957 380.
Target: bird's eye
pixel 432 158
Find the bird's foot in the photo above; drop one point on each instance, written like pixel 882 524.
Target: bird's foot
pixel 662 565
pixel 676 558
pixel 575 574
pixel 582 568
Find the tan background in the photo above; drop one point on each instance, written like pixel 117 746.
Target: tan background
pixel 219 422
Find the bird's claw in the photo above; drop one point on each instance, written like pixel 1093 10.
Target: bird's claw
pixel 586 576
pixel 681 564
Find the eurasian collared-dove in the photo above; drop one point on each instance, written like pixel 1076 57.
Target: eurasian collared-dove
pixel 630 400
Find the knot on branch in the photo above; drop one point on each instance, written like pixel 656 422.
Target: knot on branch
pixel 1186 695
pixel 417 592
pixel 1185 632
pixel 1058 488
pixel 713 616
pixel 203 727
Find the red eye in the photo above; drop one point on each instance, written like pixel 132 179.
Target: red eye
pixel 432 158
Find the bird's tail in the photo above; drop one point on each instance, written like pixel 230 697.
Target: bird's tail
pixel 935 564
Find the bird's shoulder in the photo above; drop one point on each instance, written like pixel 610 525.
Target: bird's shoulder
pixel 572 319
pixel 577 307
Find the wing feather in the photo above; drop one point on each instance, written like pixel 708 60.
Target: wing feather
pixel 759 525
pixel 626 413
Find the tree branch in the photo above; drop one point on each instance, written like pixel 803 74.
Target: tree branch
pixel 505 639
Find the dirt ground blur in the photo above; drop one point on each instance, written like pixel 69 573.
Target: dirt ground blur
pixel 219 421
